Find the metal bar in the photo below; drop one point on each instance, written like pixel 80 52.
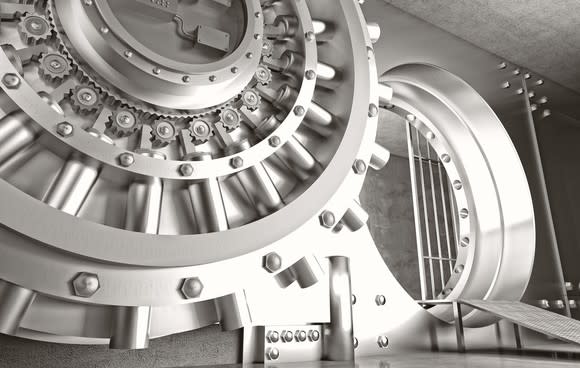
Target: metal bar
pixel 517 336
pixel 436 215
pixel 453 213
pixel 440 258
pixel 458 326
pixel 338 342
pixel 445 219
pixel 416 214
pixel 426 215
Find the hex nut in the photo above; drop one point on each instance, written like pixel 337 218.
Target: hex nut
pixel 191 287
pixel 86 284
pixel 300 335
pixel 272 262
pixel 327 219
pixel 273 336
pixel 273 353
pixel 359 167
pixel 11 80
pixel 64 129
pixel 287 336
pixel 313 335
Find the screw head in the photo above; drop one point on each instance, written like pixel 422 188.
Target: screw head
pixel 359 167
pixel 373 110
pixel 274 141
pixel 237 162
pixel 380 300
pixel 272 262
pixel 383 341
pixel 64 129
pixel 11 80
pixel 191 288
pixel 273 336
pixel 310 74
pixel 313 335
pixel 126 159
pixel 86 284
pixel 273 353
pixel 327 219
pixel 299 110
pixel 186 170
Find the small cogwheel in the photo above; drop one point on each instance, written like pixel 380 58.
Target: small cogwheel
pixel 85 99
pixel 263 75
pixel 123 123
pixel 34 28
pixel 54 67
pixel 251 99
pixel 163 132
pixel 230 119
pixel 201 131
pixel 267 48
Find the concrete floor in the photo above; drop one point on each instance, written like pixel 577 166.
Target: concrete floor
pixel 439 360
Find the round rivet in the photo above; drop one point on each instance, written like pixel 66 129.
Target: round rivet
pixel 274 141
pixel 310 74
pixel 11 80
pixel 310 36
pixel 299 110
pixel 373 111
pixel 235 69
pixel 383 341
pixel 249 55
pixel 380 300
pixel 212 78
pixel 445 158
pixel 104 30
pixel 64 129
pixel 186 79
pixel 156 70
pixel 128 53
pixel 126 159
pixel 459 268
pixel 457 185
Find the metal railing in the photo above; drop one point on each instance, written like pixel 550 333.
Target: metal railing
pixel 435 215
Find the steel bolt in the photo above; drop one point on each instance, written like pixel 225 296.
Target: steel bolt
pixel 272 262
pixel 64 129
pixel 126 159
pixel 86 284
pixel 327 219
pixel 380 300
pixel 383 341
pixel 273 353
pixel 313 335
pixel 287 336
pixel 274 141
pixel 186 170
pixel 299 110
pixel 191 287
pixel 11 80
pixel 300 335
pixel 359 167
pixel 373 110
pixel 273 336
pixel 237 162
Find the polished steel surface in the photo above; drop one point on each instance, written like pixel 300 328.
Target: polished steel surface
pixel 172 165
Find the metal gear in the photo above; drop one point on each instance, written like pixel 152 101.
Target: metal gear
pixel 123 122
pixel 54 67
pixel 267 48
pixel 263 75
pixel 230 119
pixel 251 99
pixel 163 132
pixel 201 131
pixel 34 28
pixel 86 99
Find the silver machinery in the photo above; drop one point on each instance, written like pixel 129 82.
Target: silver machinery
pixel 171 165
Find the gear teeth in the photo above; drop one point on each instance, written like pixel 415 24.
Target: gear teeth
pixel 263 75
pixel 34 29
pixel 201 131
pixel 86 99
pixel 123 122
pixel 230 119
pixel 251 99
pixel 163 132
pixel 267 48
pixel 54 67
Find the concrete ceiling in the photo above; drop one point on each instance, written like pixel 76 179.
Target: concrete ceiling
pixel 541 35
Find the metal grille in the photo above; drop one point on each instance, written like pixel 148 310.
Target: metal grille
pixel 534 318
pixel 435 216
